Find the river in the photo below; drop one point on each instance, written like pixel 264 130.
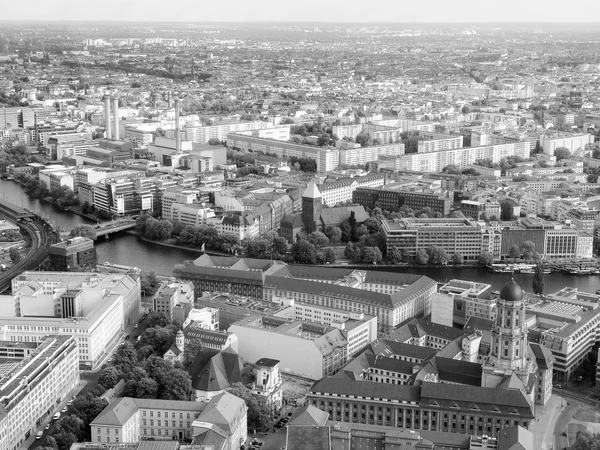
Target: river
pixel 130 250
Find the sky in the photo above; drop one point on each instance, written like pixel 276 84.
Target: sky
pixel 309 11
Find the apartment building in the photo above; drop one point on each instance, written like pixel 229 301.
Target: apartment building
pixel 202 134
pixel 362 155
pixel 327 158
pixel 31 389
pixel 575 143
pixel 438 145
pixel 436 161
pixel 127 420
pixel 171 294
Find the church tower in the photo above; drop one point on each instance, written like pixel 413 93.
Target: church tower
pixel 311 207
pixel 509 352
pixel 180 341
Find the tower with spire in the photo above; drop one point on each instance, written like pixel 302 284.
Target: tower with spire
pixel 312 203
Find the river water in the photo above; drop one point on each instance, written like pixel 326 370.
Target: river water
pixel 130 250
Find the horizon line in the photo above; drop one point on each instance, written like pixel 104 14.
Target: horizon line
pixel 451 22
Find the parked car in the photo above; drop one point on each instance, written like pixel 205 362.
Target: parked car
pixel 56 416
pixel 47 427
pixel 39 434
pixel 64 410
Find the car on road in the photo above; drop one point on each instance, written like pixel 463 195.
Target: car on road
pixel 64 410
pixel 109 360
pixel 136 325
pixel 39 434
pixel 47 427
pixel 56 416
pixel 69 402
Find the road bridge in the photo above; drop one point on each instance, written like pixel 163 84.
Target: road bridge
pixel 114 227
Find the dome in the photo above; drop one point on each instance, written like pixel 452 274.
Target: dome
pixel 179 334
pixel 511 292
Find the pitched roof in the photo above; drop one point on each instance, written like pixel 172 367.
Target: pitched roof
pixel 117 412
pixel 308 438
pixel 367 389
pixel 224 412
pixel 309 416
pixel 223 370
pixel 543 355
pixel 386 347
pixel 516 438
pixel 312 191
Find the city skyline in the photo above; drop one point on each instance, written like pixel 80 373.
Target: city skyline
pixel 463 12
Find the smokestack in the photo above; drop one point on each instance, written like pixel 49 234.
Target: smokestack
pixel 107 122
pixel 116 117
pixel 177 137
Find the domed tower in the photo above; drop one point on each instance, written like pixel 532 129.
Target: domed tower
pixel 180 340
pixel 509 334
pixel 509 352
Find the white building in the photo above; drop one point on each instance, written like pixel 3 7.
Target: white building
pixel 31 390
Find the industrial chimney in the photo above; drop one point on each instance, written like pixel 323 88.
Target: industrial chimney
pixel 107 122
pixel 177 136
pixel 115 101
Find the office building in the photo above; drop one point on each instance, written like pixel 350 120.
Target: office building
pixel 455 236
pixel 324 349
pixel 72 255
pixel 31 390
pixel 393 196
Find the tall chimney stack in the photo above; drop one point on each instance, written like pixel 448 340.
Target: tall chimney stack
pixel 107 122
pixel 177 137
pixel 115 100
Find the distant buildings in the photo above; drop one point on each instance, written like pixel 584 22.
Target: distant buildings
pixel 393 196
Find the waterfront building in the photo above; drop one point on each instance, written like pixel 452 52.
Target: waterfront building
pixel 391 297
pixel 31 389
pixel 223 420
pixel 72 255
pixel 456 236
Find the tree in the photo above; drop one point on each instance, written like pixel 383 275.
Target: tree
pixel 586 440
pixel 191 352
pixel 371 255
pixel 214 141
pixel 528 250
pixel 561 153
pixel 304 252
pixel 318 239
pixel 177 386
pixel 334 234
pixel 486 258
pixel 422 256
pixel 329 255
pixel 87 231
pixel 260 416
pixel 109 377
pixel 12 235
pixel 457 215
pixel 437 255
pixel 537 283
pixel 160 339
pixel 506 211
pixel 157 318
pixel 14 254
pixel 396 255
pixel 514 252
pixel 125 358
pixel 364 139
pixel 457 259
